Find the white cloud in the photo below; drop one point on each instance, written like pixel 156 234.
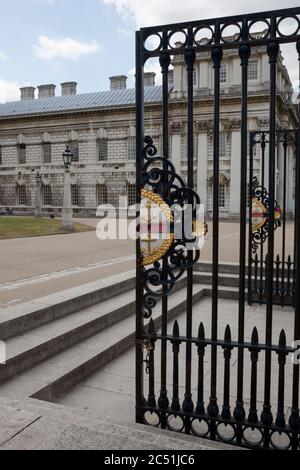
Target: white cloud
pixel 63 48
pixel 155 12
pixel 9 91
pixel 3 56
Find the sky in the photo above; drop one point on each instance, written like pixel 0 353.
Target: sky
pixel 52 41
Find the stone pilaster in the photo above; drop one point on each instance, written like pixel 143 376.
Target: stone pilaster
pixel 176 130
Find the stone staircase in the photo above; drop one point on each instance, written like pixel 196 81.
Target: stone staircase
pixel 55 342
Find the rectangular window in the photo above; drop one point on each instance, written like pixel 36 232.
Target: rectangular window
pixel 131 194
pixel 74 147
pixel 195 77
pixel 101 194
pixel 75 195
pixel 131 148
pixel 47 195
pixel 222 195
pixel 22 154
pixel 21 196
pixel 103 149
pixel 47 152
pixel 223 142
pixel 0 155
pixel 253 70
pixel 223 73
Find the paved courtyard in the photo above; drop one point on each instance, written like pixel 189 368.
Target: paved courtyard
pixel 34 267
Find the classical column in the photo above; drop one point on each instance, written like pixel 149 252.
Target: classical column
pixel 176 129
pixel 38 203
pixel 202 129
pixel 235 168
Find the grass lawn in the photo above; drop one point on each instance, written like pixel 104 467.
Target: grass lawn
pixel 19 227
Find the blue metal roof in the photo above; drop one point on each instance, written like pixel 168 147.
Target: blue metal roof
pixel 86 101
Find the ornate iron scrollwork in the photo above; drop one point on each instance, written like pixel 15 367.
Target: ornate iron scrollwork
pixel 164 186
pixel 260 214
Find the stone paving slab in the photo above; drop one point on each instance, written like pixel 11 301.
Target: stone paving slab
pixel 54 427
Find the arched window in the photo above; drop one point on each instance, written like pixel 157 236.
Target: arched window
pixel 101 194
pixel 47 195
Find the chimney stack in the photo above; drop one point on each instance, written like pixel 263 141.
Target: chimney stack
pixel 27 93
pixel 69 89
pixel 118 82
pixel 46 91
pixel 149 78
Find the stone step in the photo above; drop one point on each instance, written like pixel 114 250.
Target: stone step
pixel 29 315
pixel 24 351
pixel 45 373
pixel 36 425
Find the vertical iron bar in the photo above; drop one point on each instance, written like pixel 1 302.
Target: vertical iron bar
pixel 176 346
pixel 151 345
pixel 226 414
pixel 272 50
pixel 253 417
pixel 244 52
pixel 190 57
pixel 294 418
pixel 250 196
pixel 139 269
pixel 285 148
pixel 217 55
pixel 164 59
pixel 200 409
pixel 262 266
pixel 280 418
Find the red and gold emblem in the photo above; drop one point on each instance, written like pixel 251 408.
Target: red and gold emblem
pixel 155 220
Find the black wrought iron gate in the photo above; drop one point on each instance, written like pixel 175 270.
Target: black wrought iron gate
pixel 161 269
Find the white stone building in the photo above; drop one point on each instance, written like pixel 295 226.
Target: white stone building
pixel 100 128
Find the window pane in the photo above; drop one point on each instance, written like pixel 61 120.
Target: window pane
pixel 74 147
pixel 131 148
pixel 21 195
pixel 22 154
pixel 223 138
pixel 47 152
pixel 253 70
pixel 103 146
pixel 131 194
pixel 101 194
pixel 222 195
pixel 47 195
pixel 223 73
pixel 75 195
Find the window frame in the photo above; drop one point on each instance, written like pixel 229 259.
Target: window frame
pixel 75 195
pixel 22 196
pixel 74 151
pixel 47 193
pixel 45 144
pixel 131 148
pixel 22 157
pixel 100 149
